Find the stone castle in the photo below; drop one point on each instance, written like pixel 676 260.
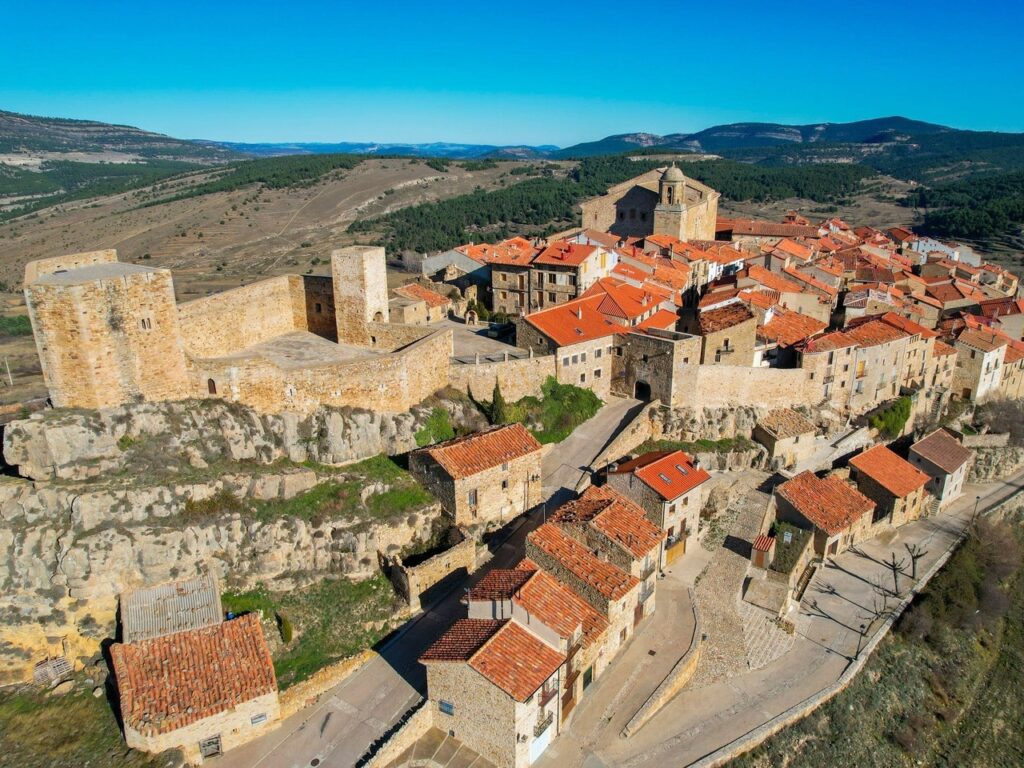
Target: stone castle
pixel 110 333
pixel 655 203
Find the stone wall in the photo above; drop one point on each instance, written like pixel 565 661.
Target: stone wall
pixel 39 267
pixel 397 335
pixel 412 581
pixel 723 386
pixel 995 463
pixel 110 340
pixel 360 291
pixel 234 727
pixel 518 377
pixel 484 716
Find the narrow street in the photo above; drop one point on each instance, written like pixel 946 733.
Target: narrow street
pixel 339 729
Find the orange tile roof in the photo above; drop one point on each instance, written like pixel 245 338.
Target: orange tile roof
pixel 813 282
pixel 516 661
pixel 828 503
pixel 793 248
pixel 468 455
pixel 773 280
pixel 462 639
pixel 670 474
pixel 986 341
pixel 896 475
pixel 499 584
pixel 907 326
pixel 763 299
pixel 574 321
pixel 422 293
pixel 620 519
pixel 787 328
pixel 756 228
pixel 663 319
pixel 874 332
pixel 558 607
pixel 943 450
pixel 941 348
pixel 168 682
pixel 610 581
pixel 619 299
pixel 829 342
pixel 563 253
pixel 714 320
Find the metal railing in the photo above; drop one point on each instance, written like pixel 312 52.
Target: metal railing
pixel 542 725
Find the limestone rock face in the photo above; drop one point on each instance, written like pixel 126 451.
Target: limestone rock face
pixel 707 423
pixel 995 463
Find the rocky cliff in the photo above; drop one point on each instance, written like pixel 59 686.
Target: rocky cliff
pixel 995 463
pixel 143 494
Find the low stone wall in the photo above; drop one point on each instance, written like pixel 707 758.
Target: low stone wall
pixel 632 436
pixel 990 440
pixel 680 675
pixel 518 378
pixel 751 739
pixel 306 693
pixel 724 386
pixel 411 582
pixel 416 724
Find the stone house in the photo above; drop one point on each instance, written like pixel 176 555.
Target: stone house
pixel 979 363
pixel 879 364
pixel 946 462
pixel 613 592
pixel 484 479
pixel 549 609
pixel 837 513
pixel 728 335
pixel 494 685
pixel 203 691
pixel 669 486
pixel 829 360
pixel 783 559
pixel 787 435
pixel 436 306
pixel 895 485
pixel 618 530
pixel 511 276
pixel 565 270
pixel 650 364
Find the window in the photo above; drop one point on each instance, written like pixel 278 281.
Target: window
pixel 583 357
pixel 831 357
pixel 597 373
pixel 472 498
pixel 597 354
pixel 319 308
pixel 504 467
pixel 681 469
pixel 257 719
pixel 504 485
pixel 860 370
pixel 552 297
pixel 575 359
pixel 664 478
pixel 211 386
pixel 565 361
pixel 146 324
pixel 446 707
pixel 686 501
pixel 583 378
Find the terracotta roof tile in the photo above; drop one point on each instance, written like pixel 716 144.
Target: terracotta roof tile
pixel 785 423
pixel 943 450
pixel 874 332
pixel 986 341
pixel 896 475
pixel 607 579
pixel 564 253
pixel 559 608
pixel 773 280
pixel 574 321
pixel 714 320
pixel 516 661
pixel 670 474
pixel 462 639
pixel 788 328
pixel 828 503
pixel 830 342
pixel 465 456
pixel 620 519
pixel 756 228
pixel 422 293
pixel 500 584
pixel 168 682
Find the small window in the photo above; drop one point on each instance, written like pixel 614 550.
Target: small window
pixel 446 707
pixel 583 357
pixel 257 719
pixel 597 373
pixel 472 498
pixel 583 378
pixel 565 361
pixel 575 359
pixel 597 353
pixel 211 386
pixel 504 485
pixel 664 477
pixel 504 467
pixel 319 308
pixel 552 297
pixel 681 469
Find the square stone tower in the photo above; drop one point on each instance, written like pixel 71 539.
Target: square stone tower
pixel 107 332
pixel 360 292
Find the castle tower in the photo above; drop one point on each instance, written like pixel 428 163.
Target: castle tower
pixel 360 292
pixel 670 212
pixel 107 333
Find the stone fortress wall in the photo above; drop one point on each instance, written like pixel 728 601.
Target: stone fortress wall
pixel 110 333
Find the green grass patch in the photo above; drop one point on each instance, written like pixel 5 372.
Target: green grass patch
pixel 552 417
pixel 16 325
pixel 891 420
pixel 437 428
pixel 786 555
pixel 71 731
pixel 331 620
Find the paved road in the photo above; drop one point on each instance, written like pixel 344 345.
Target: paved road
pixel 840 599
pixel 339 729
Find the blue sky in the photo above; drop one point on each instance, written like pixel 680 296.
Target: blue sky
pixel 533 72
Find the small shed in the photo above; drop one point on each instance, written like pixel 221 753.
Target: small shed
pixel 788 436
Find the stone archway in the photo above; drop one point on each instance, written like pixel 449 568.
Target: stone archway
pixel 642 390
pixel 471 317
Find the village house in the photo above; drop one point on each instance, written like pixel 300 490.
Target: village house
pixel 548 608
pixel 979 363
pixel 511 263
pixel 483 479
pixel 203 691
pixel 895 485
pixel 788 436
pixel 670 487
pixel 435 307
pixel 565 270
pixel 783 558
pixel 945 460
pixel 493 684
pixel 839 515
pixel 617 528
pixel 728 335
pixel 613 592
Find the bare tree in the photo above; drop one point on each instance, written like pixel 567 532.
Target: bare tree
pixel 916 553
pixel 896 566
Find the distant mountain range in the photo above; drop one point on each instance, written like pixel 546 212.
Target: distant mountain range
pixel 896 145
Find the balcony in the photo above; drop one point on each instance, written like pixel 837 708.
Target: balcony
pixel 573 650
pixel 543 724
pixel 648 571
pixel 570 679
pixel 646 594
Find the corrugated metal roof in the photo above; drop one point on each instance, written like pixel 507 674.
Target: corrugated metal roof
pixel 173 607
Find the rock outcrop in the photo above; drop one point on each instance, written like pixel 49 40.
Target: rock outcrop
pixel 995 463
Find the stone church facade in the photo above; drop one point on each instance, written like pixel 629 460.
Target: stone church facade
pixel 659 202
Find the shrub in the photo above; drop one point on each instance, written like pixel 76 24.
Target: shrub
pixel 18 325
pixel 284 626
pixel 891 421
pixel 437 428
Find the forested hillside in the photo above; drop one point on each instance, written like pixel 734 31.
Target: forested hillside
pixel 978 208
